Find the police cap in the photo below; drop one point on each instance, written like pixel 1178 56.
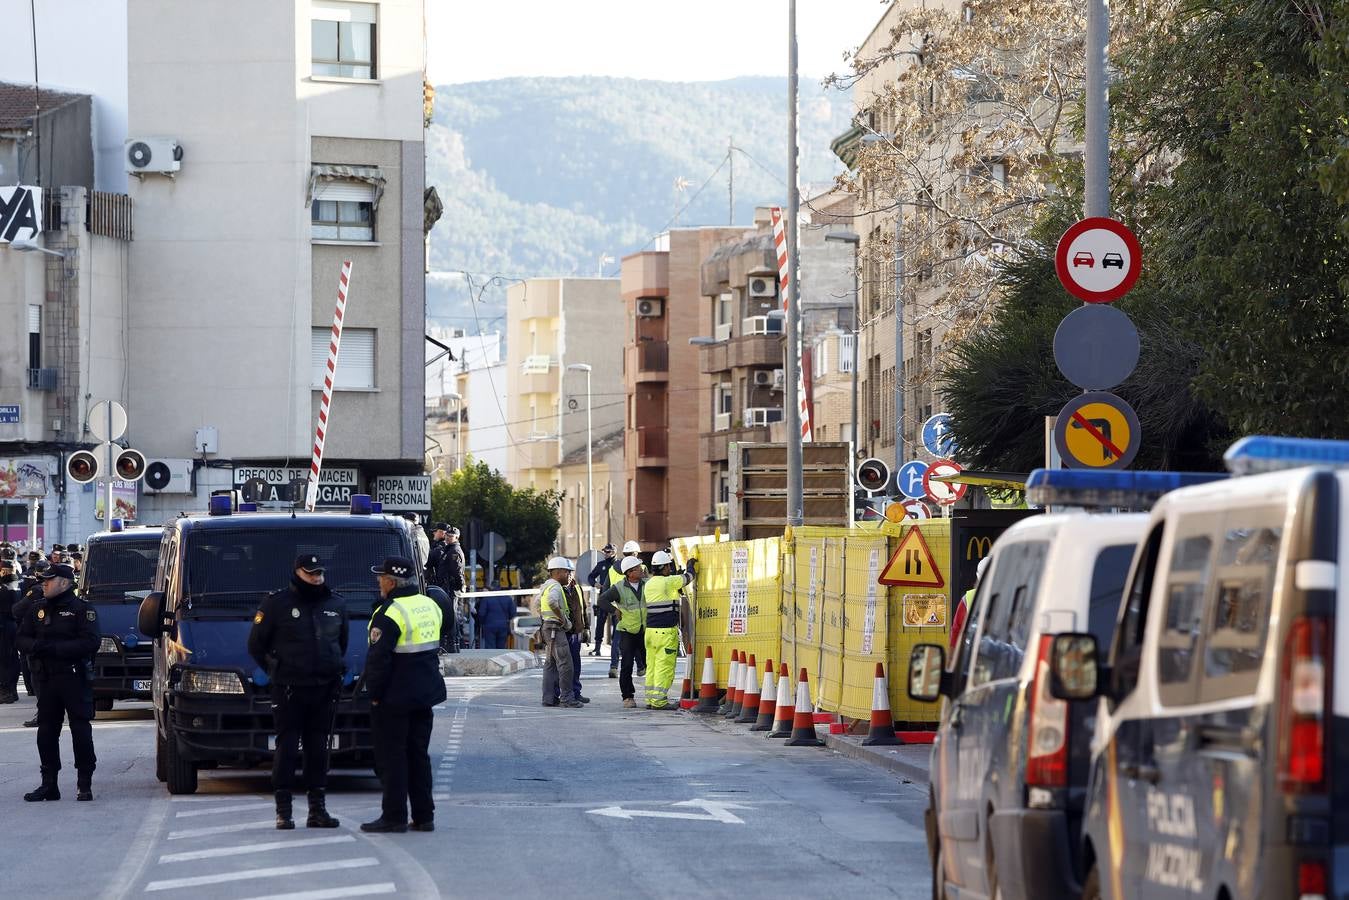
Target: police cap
pixel 397 566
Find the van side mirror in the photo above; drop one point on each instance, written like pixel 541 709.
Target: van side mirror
pixel 927 668
pixel 150 616
pixel 1074 673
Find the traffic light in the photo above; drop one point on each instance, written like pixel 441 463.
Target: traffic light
pixel 129 465
pixel 82 467
pixel 873 475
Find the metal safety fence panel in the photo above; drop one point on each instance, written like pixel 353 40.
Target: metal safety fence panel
pixel 865 619
pixel 736 599
pixel 918 612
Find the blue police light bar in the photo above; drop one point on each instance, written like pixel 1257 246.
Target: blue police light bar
pixel 360 504
pixel 1263 453
pixel 220 505
pixel 376 507
pixel 1106 490
pixel 248 507
pixel 116 525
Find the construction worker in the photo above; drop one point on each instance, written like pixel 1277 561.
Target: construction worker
pixel 662 594
pixel 629 613
pixel 555 614
pixel 631 550
pixel 963 609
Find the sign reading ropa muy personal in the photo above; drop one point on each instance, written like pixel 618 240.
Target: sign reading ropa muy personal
pixel 403 493
pixel 20 213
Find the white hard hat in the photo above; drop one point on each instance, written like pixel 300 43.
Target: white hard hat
pixel 979 569
pixel 560 562
pixel 661 558
pixel 629 563
pixel 632 547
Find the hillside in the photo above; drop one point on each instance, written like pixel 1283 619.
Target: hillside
pixel 543 176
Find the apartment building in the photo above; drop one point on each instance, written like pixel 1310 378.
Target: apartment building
pixel 605 467
pixel 664 307
pixel 564 349
pixel 465 401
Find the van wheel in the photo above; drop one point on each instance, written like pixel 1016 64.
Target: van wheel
pixel 180 774
pixel 161 764
pixel 1091 890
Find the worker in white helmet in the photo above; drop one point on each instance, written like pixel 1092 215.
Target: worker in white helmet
pixel 662 595
pixel 558 675
pixel 629 611
pixel 631 550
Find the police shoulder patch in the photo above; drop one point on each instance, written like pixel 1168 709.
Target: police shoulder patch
pixel 91 615
pixel 257 617
pixel 375 635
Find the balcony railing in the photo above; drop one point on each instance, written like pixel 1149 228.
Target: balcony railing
pixel 722 510
pixel 845 353
pixel 536 365
pixel 652 526
pixel 653 443
pixel 721 422
pixel 762 325
pixel 648 358
pixel 761 415
pixel 723 331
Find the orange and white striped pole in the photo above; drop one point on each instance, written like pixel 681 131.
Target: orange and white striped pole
pixel 784 280
pixel 329 376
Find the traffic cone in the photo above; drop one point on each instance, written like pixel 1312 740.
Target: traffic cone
pixel 732 679
pixel 803 720
pixel 749 708
pixel 707 691
pixel 783 712
pixel 768 701
pixel 882 725
pixel 686 700
pixel 739 706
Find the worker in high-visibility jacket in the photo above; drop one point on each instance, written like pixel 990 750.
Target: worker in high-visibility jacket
pixel 662 594
pixel 402 677
pixel 629 612
pixel 631 550
pixel 555 614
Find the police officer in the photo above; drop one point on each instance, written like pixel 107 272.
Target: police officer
pixel 599 581
pixel 299 638
pixel 9 627
pixel 402 676
pixel 60 635
pixel 30 591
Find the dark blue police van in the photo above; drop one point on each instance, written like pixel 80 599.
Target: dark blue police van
pixel 212 702
pixel 119 568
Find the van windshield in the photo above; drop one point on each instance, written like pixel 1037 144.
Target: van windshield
pixel 1107 587
pixel 117 565
pixel 230 570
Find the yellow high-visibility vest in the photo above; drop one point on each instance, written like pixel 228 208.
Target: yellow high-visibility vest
pixel 418 618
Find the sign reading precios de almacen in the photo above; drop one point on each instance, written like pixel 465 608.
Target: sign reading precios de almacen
pixel 403 493
pixel 336 485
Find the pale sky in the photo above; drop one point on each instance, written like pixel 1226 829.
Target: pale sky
pixel 668 40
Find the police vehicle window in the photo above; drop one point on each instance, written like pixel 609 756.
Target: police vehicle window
pixel 1134 616
pixel 1238 623
pixel 1186 584
pixel 1023 600
pixel 1002 643
pixel 966 647
pixel 229 571
pixel 115 566
pixel 1107 584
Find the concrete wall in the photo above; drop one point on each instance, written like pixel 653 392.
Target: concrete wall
pixel 488 438
pixel 66 142
pixel 590 335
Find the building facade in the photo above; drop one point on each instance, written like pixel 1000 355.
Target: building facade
pixel 465 401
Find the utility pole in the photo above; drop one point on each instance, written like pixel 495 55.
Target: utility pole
pixel 1097 193
pixel 901 382
pixel 795 509
pixel 730 183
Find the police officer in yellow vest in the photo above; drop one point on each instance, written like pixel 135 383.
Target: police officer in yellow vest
pixel 662 595
pixel 402 676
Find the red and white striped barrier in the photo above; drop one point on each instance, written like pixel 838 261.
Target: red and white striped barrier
pixel 793 340
pixel 329 376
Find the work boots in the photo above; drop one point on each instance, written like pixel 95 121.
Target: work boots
pixel 284 820
pixel 318 812
pixel 84 785
pixel 9 695
pixel 47 791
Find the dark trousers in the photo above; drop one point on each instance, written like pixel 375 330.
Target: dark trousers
pixel 9 658
pixel 601 617
pixel 402 752
pixel 70 696
pixel 574 645
pixel 29 682
pixel 628 645
pixel 303 715
pixel 494 638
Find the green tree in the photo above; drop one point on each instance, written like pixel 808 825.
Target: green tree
pixel 526 518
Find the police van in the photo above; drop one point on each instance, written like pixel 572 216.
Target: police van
pixel 212 703
pixel 119 569
pixel 1218 701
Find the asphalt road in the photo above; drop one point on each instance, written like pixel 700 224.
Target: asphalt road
pixel 597 802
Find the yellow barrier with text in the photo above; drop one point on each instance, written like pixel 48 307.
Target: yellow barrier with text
pixel 735 602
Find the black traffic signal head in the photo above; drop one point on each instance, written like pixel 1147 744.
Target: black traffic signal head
pixel 82 467
pixel 129 465
pixel 873 475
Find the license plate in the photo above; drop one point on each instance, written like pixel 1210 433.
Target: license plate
pixel 332 742
pixel 141 685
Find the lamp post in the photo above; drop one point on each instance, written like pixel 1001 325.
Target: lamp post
pixel 590 467
pixel 852 237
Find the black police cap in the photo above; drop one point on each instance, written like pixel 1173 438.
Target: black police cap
pixel 397 566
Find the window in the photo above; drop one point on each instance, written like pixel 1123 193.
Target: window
pixel 1107 585
pixel 343 37
pixel 34 336
pixel 1185 587
pixel 1011 605
pixel 343 211
pixel 1237 628
pixel 355 362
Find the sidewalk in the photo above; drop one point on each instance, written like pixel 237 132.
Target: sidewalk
pixel 907 760
pixel 486 662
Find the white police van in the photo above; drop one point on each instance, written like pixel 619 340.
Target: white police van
pixel 1220 708
pixel 1009 761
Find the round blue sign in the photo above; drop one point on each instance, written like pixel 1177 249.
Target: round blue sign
pixel 937 437
pixel 910 479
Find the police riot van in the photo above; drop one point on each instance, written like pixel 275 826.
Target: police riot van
pixel 1009 761
pixel 119 569
pixel 212 703
pixel 1219 701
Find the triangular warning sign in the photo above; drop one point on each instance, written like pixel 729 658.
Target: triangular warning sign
pixel 912 564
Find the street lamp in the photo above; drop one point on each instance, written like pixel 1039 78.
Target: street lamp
pixel 852 237
pixel 27 246
pixel 590 468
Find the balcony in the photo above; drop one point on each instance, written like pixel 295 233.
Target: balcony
pixel 645 275
pixel 714 447
pixel 761 325
pixel 741 352
pixel 536 454
pixel 722 511
pixel 647 361
pixel 652 526
pixel 42 379
pixel 723 331
pixel 653 447
pixel 721 421
pixel 761 415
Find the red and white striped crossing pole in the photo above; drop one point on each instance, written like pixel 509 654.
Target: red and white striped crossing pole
pixel 329 376
pixel 784 281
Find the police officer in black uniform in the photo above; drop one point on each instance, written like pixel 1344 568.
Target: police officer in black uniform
pixel 9 630
pixel 299 638
pixel 59 633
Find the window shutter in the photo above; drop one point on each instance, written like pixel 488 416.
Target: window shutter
pixel 349 191
pixel 355 361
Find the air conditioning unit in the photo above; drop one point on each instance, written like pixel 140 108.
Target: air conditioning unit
pixel 150 155
pixel 762 415
pixel 168 476
pixel 779 379
pixel 761 286
pixel 648 308
pixel 763 378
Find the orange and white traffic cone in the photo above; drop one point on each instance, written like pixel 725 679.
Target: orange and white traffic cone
pixel 783 712
pixel 803 719
pixel 707 690
pixel 882 725
pixel 686 700
pixel 739 706
pixel 768 701
pixel 732 682
pixel 749 707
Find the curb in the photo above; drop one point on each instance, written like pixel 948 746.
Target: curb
pixel 457 664
pixel 893 759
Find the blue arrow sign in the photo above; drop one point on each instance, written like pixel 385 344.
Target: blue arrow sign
pixel 910 479
pixel 937 437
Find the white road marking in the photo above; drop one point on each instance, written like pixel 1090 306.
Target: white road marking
pixel 97 727
pixel 246 849
pixel 216 810
pixel 716 810
pixel 356 890
pixel 169 884
pixel 219 829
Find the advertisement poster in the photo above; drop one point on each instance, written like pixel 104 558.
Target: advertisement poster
pixel 739 617
pixel 21 478
pixel 869 622
pixel 123 501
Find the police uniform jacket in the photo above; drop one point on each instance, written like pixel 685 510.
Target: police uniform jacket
pixel 444 566
pixel 299 635
pixel 402 673
pixel 9 598
pixel 59 635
